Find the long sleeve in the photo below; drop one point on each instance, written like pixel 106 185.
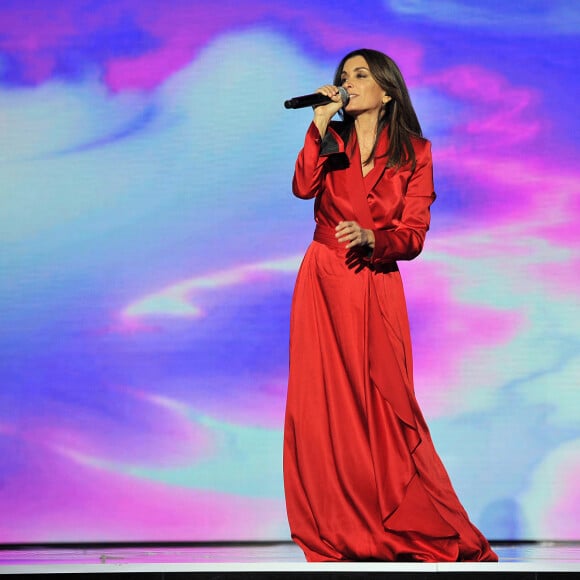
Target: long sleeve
pixel 309 171
pixel 405 241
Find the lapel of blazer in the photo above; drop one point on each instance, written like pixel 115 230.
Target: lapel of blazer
pixel 357 188
pixel 343 153
pixel 380 160
pixel 361 186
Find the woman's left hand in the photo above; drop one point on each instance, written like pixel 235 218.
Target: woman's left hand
pixel 353 235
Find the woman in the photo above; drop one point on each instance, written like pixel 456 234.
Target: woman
pixel 362 478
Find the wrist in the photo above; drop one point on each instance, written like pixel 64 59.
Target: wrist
pixel 321 123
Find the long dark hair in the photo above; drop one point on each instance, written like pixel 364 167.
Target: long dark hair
pixel 398 114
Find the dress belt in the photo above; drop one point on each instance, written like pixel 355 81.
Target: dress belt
pixel 326 235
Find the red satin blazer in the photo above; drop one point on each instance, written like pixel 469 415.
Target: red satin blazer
pixel 394 203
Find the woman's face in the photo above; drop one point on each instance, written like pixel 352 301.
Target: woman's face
pixel 366 95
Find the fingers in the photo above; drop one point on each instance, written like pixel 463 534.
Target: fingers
pixel 331 92
pixel 351 234
pixel 328 110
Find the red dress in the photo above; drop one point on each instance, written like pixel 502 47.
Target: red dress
pixel 362 478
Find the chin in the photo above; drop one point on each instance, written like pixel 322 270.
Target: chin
pixel 351 110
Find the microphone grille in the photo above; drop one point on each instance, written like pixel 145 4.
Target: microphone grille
pixel 343 95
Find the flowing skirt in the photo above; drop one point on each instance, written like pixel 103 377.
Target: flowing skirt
pixel 362 478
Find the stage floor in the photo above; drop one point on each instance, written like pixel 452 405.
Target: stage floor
pixel 263 558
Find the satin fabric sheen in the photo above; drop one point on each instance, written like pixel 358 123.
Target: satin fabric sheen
pixel 362 478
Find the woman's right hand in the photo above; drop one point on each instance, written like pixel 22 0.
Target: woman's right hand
pixel 330 109
pixel 323 113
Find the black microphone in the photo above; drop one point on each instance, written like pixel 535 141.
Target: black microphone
pixel 315 99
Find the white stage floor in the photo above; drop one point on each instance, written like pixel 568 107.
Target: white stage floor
pixel 261 558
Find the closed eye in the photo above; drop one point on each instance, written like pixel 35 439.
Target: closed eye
pixel 358 76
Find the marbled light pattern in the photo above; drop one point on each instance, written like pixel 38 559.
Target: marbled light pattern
pixel 150 243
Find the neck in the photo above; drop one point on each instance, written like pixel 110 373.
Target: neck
pixel 366 126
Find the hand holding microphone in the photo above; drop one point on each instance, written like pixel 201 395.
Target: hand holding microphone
pixel 325 95
pixel 327 101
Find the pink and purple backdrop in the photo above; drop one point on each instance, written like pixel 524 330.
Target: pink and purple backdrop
pixel 149 243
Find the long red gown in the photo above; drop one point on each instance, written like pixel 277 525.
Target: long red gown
pixel 362 478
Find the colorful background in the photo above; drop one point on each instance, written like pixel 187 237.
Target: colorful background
pixel 149 243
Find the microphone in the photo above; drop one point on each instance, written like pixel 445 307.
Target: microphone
pixel 315 99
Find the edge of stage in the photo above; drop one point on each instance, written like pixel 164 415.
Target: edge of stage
pixel 279 560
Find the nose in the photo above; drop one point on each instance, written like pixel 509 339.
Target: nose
pixel 346 84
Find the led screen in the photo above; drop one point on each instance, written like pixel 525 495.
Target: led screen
pixel 150 241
